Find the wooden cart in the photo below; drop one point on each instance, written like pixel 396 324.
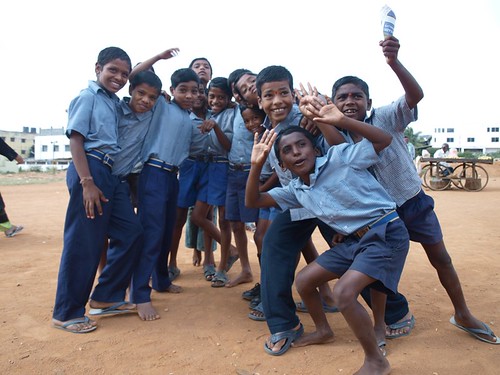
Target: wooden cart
pixel 467 174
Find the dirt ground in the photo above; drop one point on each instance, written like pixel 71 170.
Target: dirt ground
pixel 206 330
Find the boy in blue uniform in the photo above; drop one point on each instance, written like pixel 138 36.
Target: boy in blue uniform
pixel 165 148
pixel 99 205
pixel 415 208
pixel 339 189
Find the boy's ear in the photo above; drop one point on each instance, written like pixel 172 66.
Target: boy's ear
pixel 369 105
pixel 172 89
pixel 98 69
pixel 260 102
pixel 130 89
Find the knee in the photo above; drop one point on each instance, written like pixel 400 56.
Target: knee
pixel 301 283
pixel 343 297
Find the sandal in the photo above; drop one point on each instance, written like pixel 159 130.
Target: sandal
pixel 209 272
pixel 257 313
pixel 219 280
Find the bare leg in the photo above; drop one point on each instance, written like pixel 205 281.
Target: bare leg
pixel 441 261
pixel 346 293
pixel 378 300
pixel 176 236
pixel 240 237
pixel 306 283
pixel 310 254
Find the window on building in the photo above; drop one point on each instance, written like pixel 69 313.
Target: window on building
pixel 66 148
pixel 449 139
pixel 45 148
pixel 450 130
pixel 12 139
pixel 56 148
pixel 23 152
pixel 494 139
pixel 23 140
pixel 495 130
pixel 470 139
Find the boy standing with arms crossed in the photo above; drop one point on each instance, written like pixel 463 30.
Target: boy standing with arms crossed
pixel 99 205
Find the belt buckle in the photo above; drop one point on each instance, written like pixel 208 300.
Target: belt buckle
pixel 107 160
pixel 361 232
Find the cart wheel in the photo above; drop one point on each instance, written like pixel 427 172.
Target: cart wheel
pixel 422 173
pixel 434 180
pixel 474 178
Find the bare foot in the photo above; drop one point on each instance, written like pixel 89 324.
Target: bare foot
pixel 174 289
pixel 196 257
pixel 79 325
pixel 146 311
pixel 378 366
pixel 242 278
pixel 476 328
pixel 314 338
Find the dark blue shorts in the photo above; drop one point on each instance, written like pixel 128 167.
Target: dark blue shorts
pixel 268 213
pixel 235 199
pixel 420 219
pixel 214 184
pixel 380 254
pixel 191 175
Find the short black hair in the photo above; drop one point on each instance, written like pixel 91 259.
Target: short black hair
pixel 255 110
pixel 183 75
pixel 147 77
pixel 201 58
pixel 112 53
pixel 236 75
pixel 221 83
pixel 350 79
pixel 290 130
pixel 273 73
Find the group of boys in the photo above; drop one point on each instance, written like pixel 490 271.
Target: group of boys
pixel 350 192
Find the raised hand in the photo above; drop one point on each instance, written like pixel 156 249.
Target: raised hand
pixel 172 52
pixel 262 148
pixel 390 48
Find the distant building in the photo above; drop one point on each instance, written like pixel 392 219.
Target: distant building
pixel 21 142
pixel 480 139
pixel 52 144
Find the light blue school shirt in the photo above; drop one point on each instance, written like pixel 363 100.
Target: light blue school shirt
pixel 132 130
pixel 94 115
pixel 396 171
pixel 199 140
pixel 342 192
pixel 224 120
pixel 242 144
pixel 169 135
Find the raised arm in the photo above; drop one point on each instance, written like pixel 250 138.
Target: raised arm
pixel 413 92
pixel 146 65
pixel 331 115
pixel 260 151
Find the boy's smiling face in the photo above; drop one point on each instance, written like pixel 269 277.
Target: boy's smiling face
pixel 113 75
pixel 143 98
pixel 352 101
pixel 217 99
pixel 276 100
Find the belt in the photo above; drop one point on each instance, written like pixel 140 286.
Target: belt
pixel 209 158
pixel 239 167
pixel 387 218
pixel 102 156
pixel 162 165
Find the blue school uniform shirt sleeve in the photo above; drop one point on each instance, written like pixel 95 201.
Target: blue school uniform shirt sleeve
pixel 224 120
pixel 169 136
pixel 132 130
pixel 396 171
pixel 94 115
pixel 242 144
pixel 342 193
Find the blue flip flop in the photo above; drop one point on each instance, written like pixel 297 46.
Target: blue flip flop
pixel 257 313
pixel 69 323
pixel 291 335
pixel 408 323
pixel 112 310
pixel 478 331
pixel 301 307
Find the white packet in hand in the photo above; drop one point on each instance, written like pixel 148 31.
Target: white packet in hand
pixel 388 20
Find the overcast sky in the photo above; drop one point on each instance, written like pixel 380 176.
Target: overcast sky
pixel 49 48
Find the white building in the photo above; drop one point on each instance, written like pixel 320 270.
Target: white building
pixel 480 139
pixel 52 144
